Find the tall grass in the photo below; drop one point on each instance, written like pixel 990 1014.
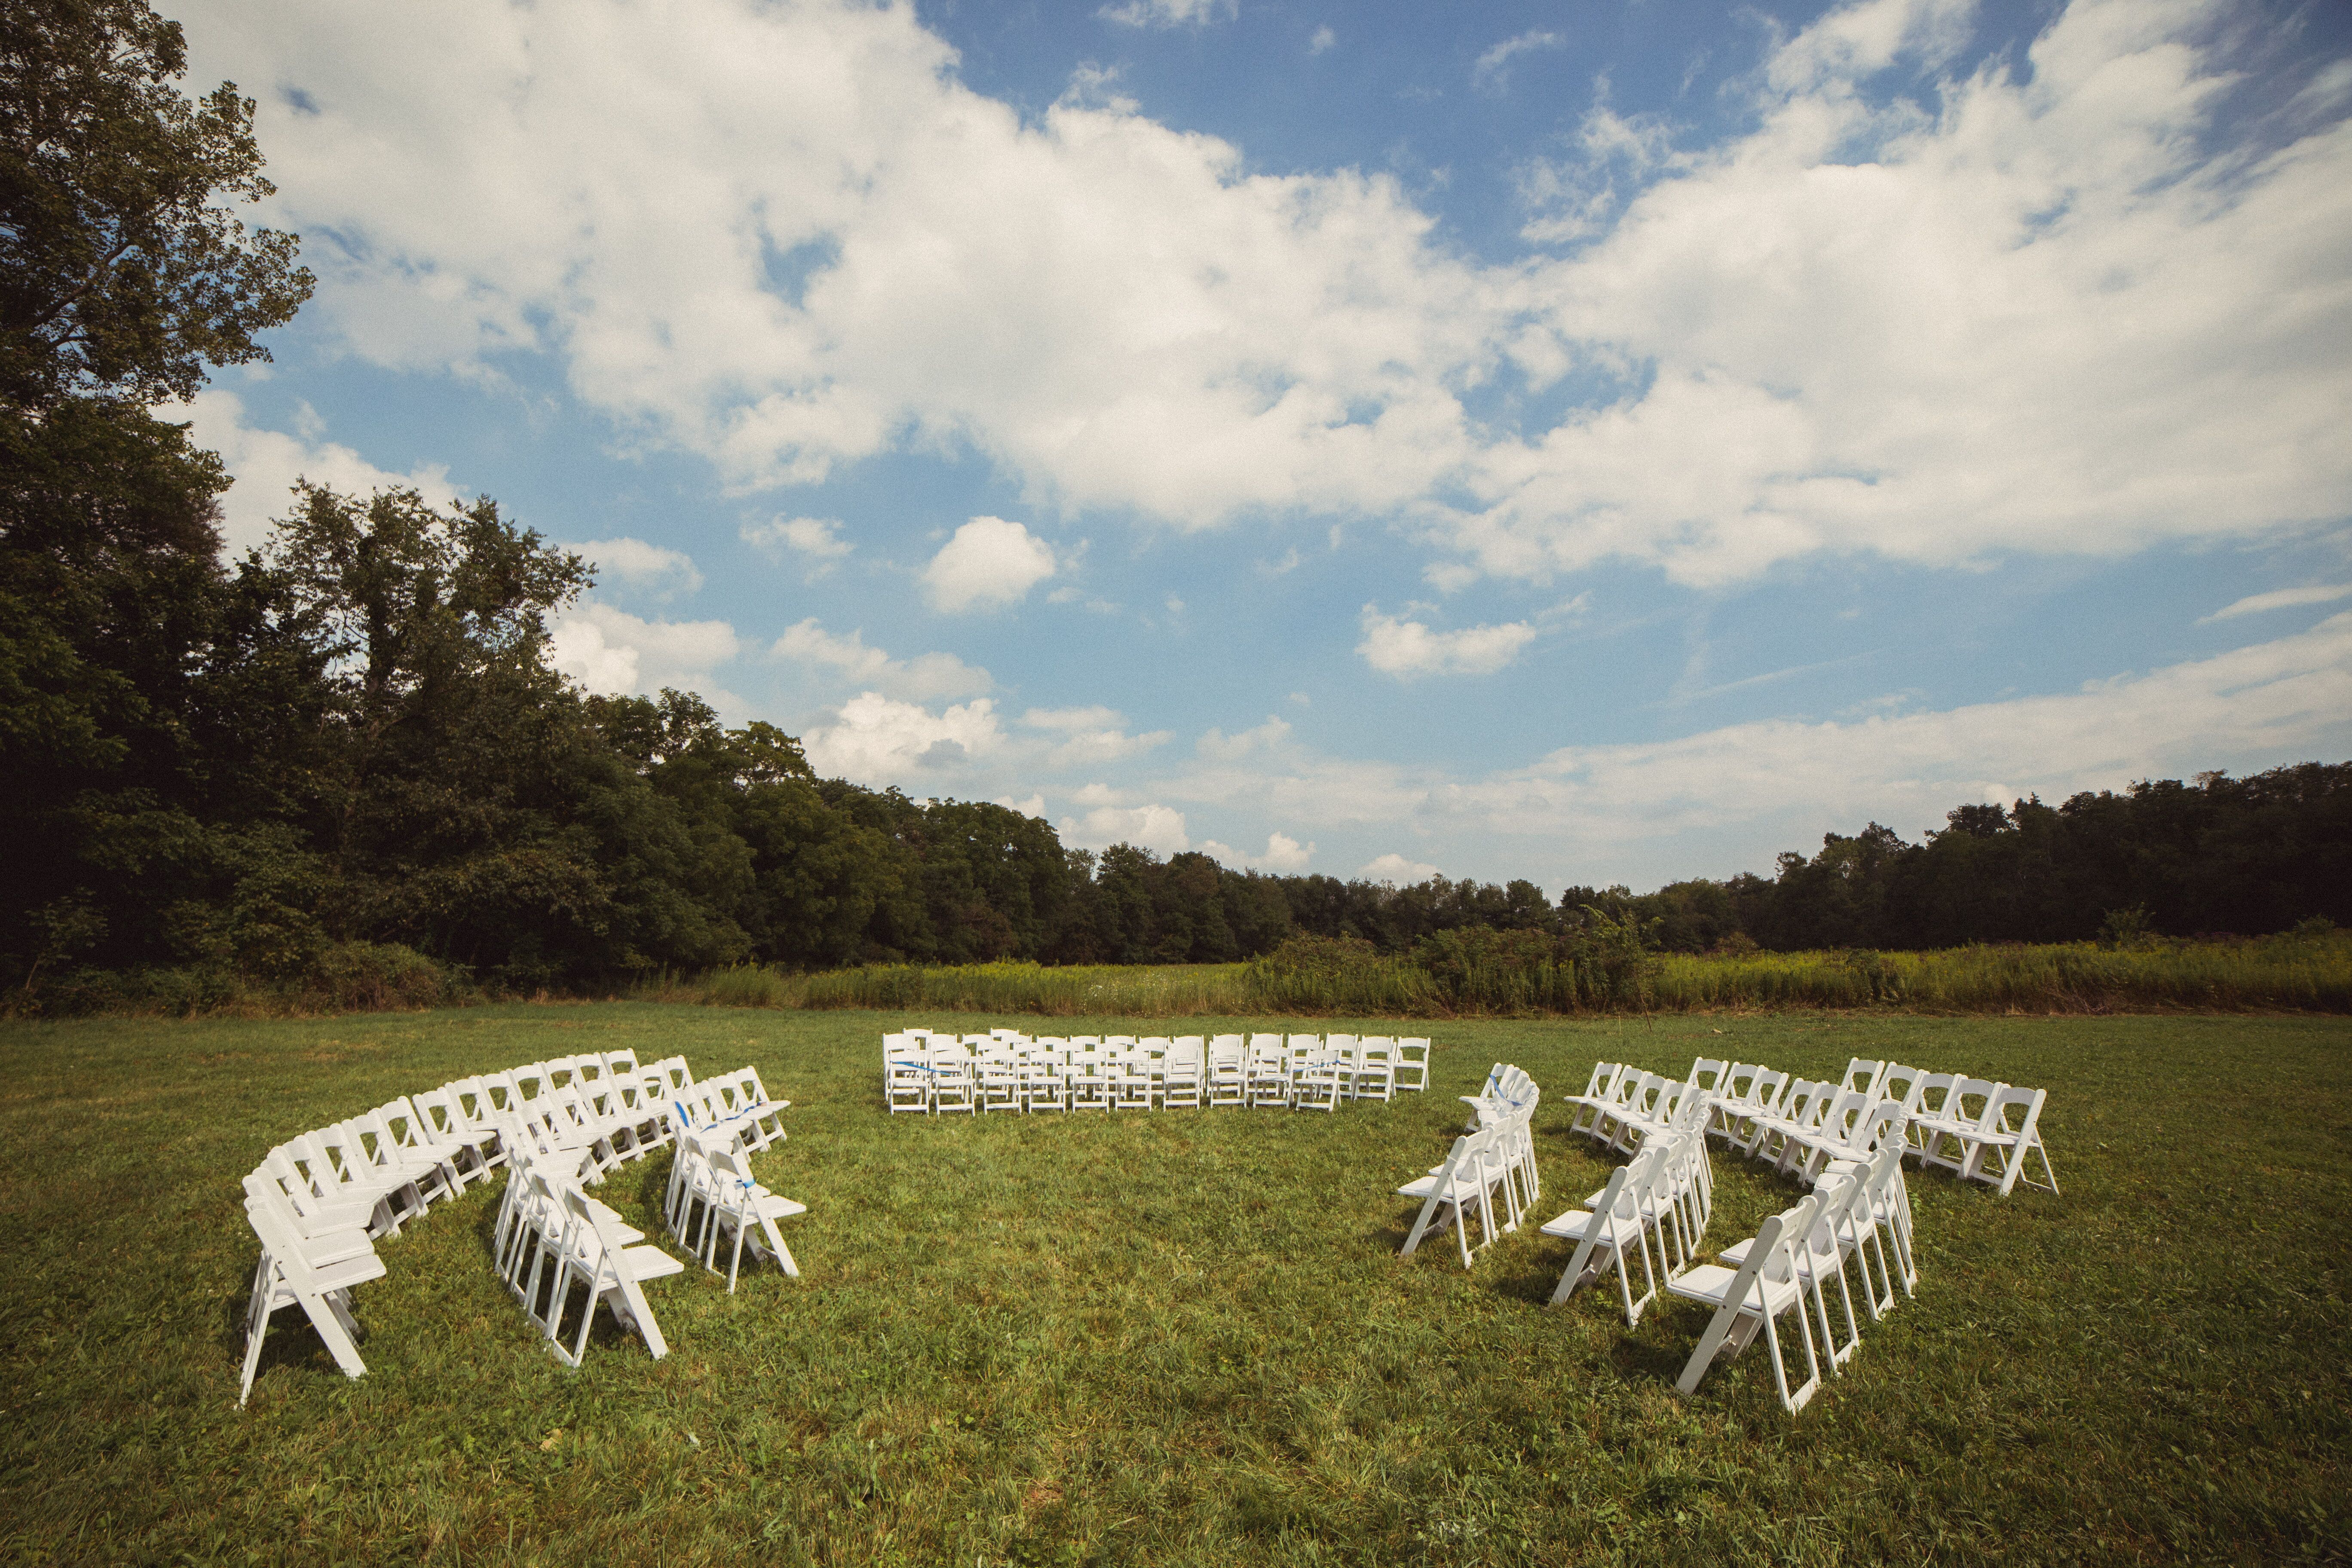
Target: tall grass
pixel 2284 973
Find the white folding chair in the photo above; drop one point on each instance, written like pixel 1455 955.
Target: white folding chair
pixel 1413 1062
pixel 595 1255
pixel 1942 1143
pixel 1625 1099
pixel 474 1149
pixel 1317 1079
pixel 1375 1069
pixel 1735 1091
pixel 742 1205
pixel 1269 1071
pixel 1805 1102
pixel 2010 1129
pixel 1755 1296
pixel 906 1075
pixel 1879 1225
pixel 1465 1178
pixel 758 1115
pixel 952 1088
pixel 341 1171
pixel 1130 1076
pixel 1228 1071
pixel 1045 1083
pixel 1616 1224
pixel 316 1273
pixel 1584 1109
pixel 1863 1075
pixel 1091 1073
pixel 1820 1253
pixel 999 1070
pixel 1183 1084
pixel 1767 1094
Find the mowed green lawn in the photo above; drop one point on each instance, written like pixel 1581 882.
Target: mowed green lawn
pixel 1182 1337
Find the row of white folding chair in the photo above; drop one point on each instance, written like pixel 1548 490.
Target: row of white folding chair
pixel 1499 1157
pixel 1656 1206
pixel 736 1103
pixel 1622 1104
pixel 927 1072
pixel 384 1167
pixel 1823 1129
pixel 1507 1091
pixel 556 1246
pixel 1977 1128
pixel 712 1194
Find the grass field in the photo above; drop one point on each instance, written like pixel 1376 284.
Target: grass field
pixel 2292 971
pixel 1182 1337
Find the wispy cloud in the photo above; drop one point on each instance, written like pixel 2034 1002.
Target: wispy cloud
pixel 1491 74
pixel 1169 13
pixel 2283 599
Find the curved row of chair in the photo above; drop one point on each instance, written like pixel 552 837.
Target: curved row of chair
pixel 1846 1141
pixel 936 1073
pixel 318 1203
pixel 1978 1129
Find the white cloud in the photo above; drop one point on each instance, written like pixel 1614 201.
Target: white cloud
pixel 1395 868
pixel 1089 737
pixel 1223 747
pixel 1170 13
pixel 1492 71
pixel 1606 813
pixel 1408 648
pixel 1158 828
pixel 649 569
pixel 788 238
pixel 2055 308
pixel 2268 700
pixel 2283 599
pixel 926 677
pixel 265 463
pixel 1323 39
pixel 609 650
pixel 2052 315
pixel 1067 718
pixel 988 563
pixel 1282 854
pixel 877 740
pixel 817 538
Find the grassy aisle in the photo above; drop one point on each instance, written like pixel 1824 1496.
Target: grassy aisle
pixel 1178 1338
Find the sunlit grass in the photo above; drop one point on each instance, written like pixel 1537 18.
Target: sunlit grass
pixel 1181 1338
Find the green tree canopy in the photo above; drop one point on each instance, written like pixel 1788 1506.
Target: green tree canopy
pixel 117 272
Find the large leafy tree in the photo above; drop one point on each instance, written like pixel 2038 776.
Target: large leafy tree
pixel 145 695
pixel 120 271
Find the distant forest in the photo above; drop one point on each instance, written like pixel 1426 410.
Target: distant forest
pixel 351 741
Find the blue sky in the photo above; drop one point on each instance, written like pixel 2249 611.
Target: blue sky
pixel 1586 441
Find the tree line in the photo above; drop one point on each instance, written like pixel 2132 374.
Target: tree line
pixel 352 738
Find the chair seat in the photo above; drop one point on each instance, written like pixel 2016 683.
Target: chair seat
pixel 1465 1183
pixel 1737 1253
pixel 1710 1283
pixel 347 1272
pixel 1575 1222
pixel 650 1263
pixel 775 1205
